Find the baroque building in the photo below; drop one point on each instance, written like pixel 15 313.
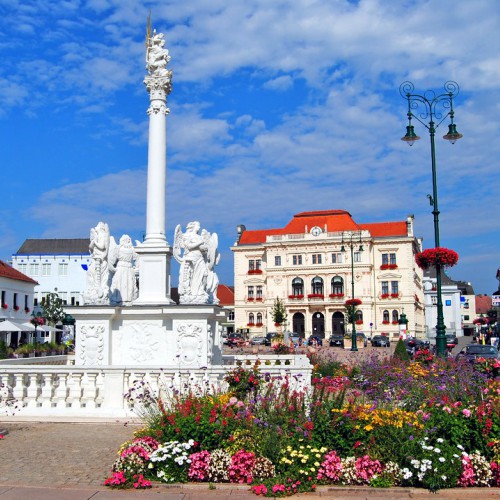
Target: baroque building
pixel 313 262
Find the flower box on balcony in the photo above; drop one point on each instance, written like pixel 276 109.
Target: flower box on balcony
pixel 383 267
pixel 384 296
pixel 255 271
pixel 258 324
pixel 299 296
pixel 250 324
pixel 385 322
pixel 5 306
pixel 336 295
pixel 315 296
pixel 250 299
pixel 359 321
pixel 259 299
pixel 16 308
pixel 394 295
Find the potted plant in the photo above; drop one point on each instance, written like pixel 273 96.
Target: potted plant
pixel 279 317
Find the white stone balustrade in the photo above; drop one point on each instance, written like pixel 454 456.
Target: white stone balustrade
pixel 75 392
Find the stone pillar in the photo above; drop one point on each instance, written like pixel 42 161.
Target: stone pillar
pixel 155 254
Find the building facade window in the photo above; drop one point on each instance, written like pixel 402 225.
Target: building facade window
pixel 336 258
pixel 385 316
pixel 259 319
pixel 394 287
pixel 298 287
pixel 316 258
pixel 388 258
pixel 14 302
pixel 357 256
pixel 231 316
pixel 434 300
pixel 251 265
pixel 297 260
pixel 63 269
pixel 46 269
pixel 317 286
pixel 23 268
pixel 64 297
pixel 34 269
pixel 75 298
pixel 385 288
pixel 3 298
pixel 337 285
pixel 250 293
pixel 395 316
pixel 359 316
pixel 258 264
pixel 251 319
pixel 277 260
pixel 259 292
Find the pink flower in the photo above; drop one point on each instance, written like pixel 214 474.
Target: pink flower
pixel 466 412
pixel 279 488
pixel 259 489
pixel 447 409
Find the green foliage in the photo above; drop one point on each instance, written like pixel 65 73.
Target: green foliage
pixel 3 350
pixel 278 312
pixel 52 307
pixel 400 352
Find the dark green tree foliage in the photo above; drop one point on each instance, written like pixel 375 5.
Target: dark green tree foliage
pixel 401 352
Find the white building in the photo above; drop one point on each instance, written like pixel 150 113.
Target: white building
pixel 452 307
pixel 309 263
pixel 57 265
pixel 16 298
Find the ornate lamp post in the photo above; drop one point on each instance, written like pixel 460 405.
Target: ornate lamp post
pixel 351 239
pixel 434 108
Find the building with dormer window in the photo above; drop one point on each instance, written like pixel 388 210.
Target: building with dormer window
pixel 309 265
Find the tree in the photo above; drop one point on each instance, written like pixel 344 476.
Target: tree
pixel 278 312
pixel 52 308
pixel 401 352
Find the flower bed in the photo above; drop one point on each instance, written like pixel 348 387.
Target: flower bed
pixel 428 423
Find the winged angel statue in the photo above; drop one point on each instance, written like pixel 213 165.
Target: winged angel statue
pixel 198 281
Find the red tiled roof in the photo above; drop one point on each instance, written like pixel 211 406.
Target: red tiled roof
pixel 9 272
pixel 226 295
pixel 381 229
pixel 332 220
pixel 483 304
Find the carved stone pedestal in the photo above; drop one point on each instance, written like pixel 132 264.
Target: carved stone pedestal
pixel 146 336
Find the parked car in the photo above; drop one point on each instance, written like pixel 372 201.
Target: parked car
pixel 337 339
pixel 269 337
pixel 295 338
pixel 412 345
pixel 260 340
pixel 471 352
pixel 314 340
pixel 451 340
pixel 235 339
pixel 380 341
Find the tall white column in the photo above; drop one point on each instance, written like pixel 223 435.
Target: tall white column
pixel 155 254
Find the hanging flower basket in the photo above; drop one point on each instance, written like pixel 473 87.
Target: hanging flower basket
pixel 433 256
pixel 480 321
pixel 5 306
pixel 353 302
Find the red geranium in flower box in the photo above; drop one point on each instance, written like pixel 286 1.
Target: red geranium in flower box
pixel 299 296
pixel 395 322
pixel 385 322
pixel 258 324
pixel 315 296
pixel 384 296
pixel 259 299
pixel 359 321
pixel 394 295
pixel 250 324
pixel 26 309
pixel 250 299
pixel 353 302
pixel 433 256
pixel 392 266
pixel 255 271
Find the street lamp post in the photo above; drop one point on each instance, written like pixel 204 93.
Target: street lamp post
pixel 351 239
pixel 435 108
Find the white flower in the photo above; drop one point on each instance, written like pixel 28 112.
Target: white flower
pixel 444 478
pixel 460 447
pixel 437 450
pixel 440 440
pixel 442 459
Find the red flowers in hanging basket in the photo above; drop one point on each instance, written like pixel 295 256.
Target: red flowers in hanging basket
pixel 480 321
pixel 5 306
pixel 439 255
pixel 353 302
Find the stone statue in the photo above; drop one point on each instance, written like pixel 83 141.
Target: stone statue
pixel 157 56
pixel 98 276
pixel 198 281
pixel 123 289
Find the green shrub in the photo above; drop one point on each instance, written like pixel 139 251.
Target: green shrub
pixel 401 352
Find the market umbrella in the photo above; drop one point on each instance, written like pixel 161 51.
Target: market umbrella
pixel 10 326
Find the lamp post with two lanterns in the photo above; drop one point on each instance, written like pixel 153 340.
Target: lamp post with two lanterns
pixel 435 108
pixel 351 239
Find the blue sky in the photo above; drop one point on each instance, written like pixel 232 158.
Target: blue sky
pixel 277 107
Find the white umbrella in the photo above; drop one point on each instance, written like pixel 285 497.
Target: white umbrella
pixel 27 327
pixel 48 328
pixel 10 326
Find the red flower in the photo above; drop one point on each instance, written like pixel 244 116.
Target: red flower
pixel 5 306
pixel 353 302
pixel 433 256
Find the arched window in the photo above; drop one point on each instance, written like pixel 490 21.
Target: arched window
pixel 386 316
pixel 359 316
pixel 251 319
pixel 317 286
pixel 298 286
pixel 259 319
pixel 337 285
pixel 395 316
